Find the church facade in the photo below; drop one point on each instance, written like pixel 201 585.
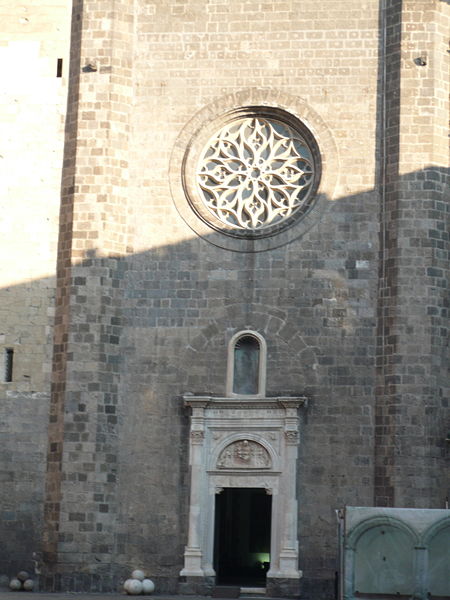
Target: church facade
pixel 228 316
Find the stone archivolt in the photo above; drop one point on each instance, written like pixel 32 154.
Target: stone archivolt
pixel 255 172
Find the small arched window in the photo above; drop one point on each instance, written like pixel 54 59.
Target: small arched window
pixel 246 365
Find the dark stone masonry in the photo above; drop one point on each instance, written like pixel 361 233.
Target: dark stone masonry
pixel 244 186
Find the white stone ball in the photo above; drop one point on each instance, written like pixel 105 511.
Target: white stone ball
pixel 28 585
pixel 126 584
pixel 15 584
pixel 23 575
pixel 148 587
pixel 138 574
pixel 134 587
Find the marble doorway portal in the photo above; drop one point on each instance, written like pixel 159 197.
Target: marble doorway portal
pixel 237 444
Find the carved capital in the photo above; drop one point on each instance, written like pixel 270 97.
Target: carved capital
pixel 197 437
pixel 292 436
pixel 293 402
pixel 196 402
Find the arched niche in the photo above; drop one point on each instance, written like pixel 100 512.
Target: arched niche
pixel 246 365
pixel 383 557
pixel 437 539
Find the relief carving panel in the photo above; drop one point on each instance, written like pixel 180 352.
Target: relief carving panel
pixel 244 454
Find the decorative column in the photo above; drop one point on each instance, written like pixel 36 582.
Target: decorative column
pixel 283 578
pixel 289 543
pixel 193 553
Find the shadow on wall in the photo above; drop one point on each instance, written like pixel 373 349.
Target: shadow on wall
pixel 148 327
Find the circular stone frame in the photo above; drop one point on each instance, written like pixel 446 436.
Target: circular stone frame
pixel 194 137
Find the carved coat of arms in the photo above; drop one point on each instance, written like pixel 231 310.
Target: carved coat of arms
pixel 244 454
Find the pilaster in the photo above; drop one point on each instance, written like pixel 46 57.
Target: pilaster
pixel 412 316
pixel 80 528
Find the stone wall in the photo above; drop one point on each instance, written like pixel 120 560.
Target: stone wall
pixel 314 300
pixel 80 524
pixel 34 37
pixel 350 301
pixel 412 398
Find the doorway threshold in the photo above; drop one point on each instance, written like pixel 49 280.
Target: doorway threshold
pixel 226 591
pixel 253 591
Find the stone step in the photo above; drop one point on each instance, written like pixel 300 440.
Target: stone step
pixel 251 592
pixel 226 591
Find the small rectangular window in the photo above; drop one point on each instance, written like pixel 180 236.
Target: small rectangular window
pixel 59 65
pixel 9 359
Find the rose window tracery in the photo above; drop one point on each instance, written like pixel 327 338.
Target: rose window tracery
pixel 255 172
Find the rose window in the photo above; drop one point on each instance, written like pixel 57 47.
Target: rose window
pixel 255 172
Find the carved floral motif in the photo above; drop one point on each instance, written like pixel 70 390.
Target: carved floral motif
pixel 255 172
pixel 244 454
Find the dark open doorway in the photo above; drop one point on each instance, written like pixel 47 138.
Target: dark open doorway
pixel 242 536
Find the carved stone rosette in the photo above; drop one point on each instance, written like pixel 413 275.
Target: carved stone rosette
pixel 255 172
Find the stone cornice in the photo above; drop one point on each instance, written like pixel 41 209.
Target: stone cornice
pixel 245 402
